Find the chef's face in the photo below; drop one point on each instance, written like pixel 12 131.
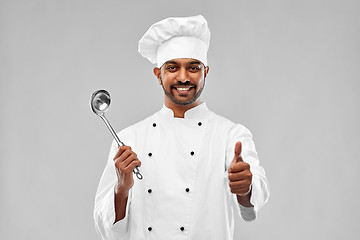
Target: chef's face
pixel 182 79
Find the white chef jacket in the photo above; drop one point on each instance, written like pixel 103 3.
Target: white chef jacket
pixel 184 193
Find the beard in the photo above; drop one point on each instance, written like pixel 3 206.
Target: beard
pixel 178 101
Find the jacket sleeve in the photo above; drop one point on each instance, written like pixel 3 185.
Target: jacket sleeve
pixel 260 190
pixel 104 210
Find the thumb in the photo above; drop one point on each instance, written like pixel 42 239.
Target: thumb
pixel 237 152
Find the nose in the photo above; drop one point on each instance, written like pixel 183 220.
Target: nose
pixel 183 75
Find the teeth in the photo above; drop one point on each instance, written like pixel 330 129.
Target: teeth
pixel 183 89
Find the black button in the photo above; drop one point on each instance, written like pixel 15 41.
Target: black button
pixel 149 190
pixel 199 123
pixel 154 124
pixel 192 153
pixel 182 228
pixel 150 154
pixel 149 228
pixel 187 189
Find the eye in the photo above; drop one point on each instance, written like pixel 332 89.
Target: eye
pixel 171 68
pixel 194 68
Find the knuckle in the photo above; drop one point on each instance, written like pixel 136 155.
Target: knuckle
pixel 124 148
pixel 134 164
pixel 117 164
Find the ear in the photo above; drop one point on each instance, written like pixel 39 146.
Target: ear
pixel 157 73
pixel 206 71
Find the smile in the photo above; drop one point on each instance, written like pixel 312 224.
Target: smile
pixel 183 88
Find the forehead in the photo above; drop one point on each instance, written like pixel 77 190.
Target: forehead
pixel 183 61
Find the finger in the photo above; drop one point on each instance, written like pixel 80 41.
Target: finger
pixel 238 147
pixel 121 150
pixel 239 167
pixel 122 167
pixel 132 165
pixel 125 155
pixel 237 157
pixel 237 176
pixel 235 164
pixel 240 184
pixel 125 159
pixel 128 160
pixel 231 165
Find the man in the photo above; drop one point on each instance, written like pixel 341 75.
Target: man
pixel 199 169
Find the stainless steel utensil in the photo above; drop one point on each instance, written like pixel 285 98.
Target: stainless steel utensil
pixel 100 102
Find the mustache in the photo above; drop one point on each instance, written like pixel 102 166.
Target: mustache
pixel 183 85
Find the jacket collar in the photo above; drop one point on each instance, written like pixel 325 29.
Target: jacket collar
pixel 193 113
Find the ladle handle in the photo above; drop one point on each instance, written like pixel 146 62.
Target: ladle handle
pixel 120 143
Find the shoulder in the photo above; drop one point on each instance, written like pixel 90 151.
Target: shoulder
pixel 137 127
pixel 229 126
pixel 222 120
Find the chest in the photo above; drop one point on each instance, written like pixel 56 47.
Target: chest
pixel 183 163
pixel 179 150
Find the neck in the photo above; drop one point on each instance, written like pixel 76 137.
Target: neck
pixel 179 110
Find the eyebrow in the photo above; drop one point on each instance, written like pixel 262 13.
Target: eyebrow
pixel 190 63
pixel 195 62
pixel 171 62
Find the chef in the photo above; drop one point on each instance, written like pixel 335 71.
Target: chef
pixel 199 169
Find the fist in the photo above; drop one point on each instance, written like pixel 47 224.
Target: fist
pixel 239 174
pixel 125 161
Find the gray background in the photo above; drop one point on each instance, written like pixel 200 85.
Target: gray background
pixel 288 70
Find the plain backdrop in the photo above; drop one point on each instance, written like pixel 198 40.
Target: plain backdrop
pixel 288 70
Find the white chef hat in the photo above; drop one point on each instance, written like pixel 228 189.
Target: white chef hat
pixel 176 37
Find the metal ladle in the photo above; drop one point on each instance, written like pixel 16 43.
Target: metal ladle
pixel 100 102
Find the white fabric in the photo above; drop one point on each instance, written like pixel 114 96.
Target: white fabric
pixel 162 32
pixel 182 47
pixel 207 210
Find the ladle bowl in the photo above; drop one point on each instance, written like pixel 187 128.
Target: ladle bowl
pixel 100 102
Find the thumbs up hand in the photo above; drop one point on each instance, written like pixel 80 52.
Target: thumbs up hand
pixel 239 174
